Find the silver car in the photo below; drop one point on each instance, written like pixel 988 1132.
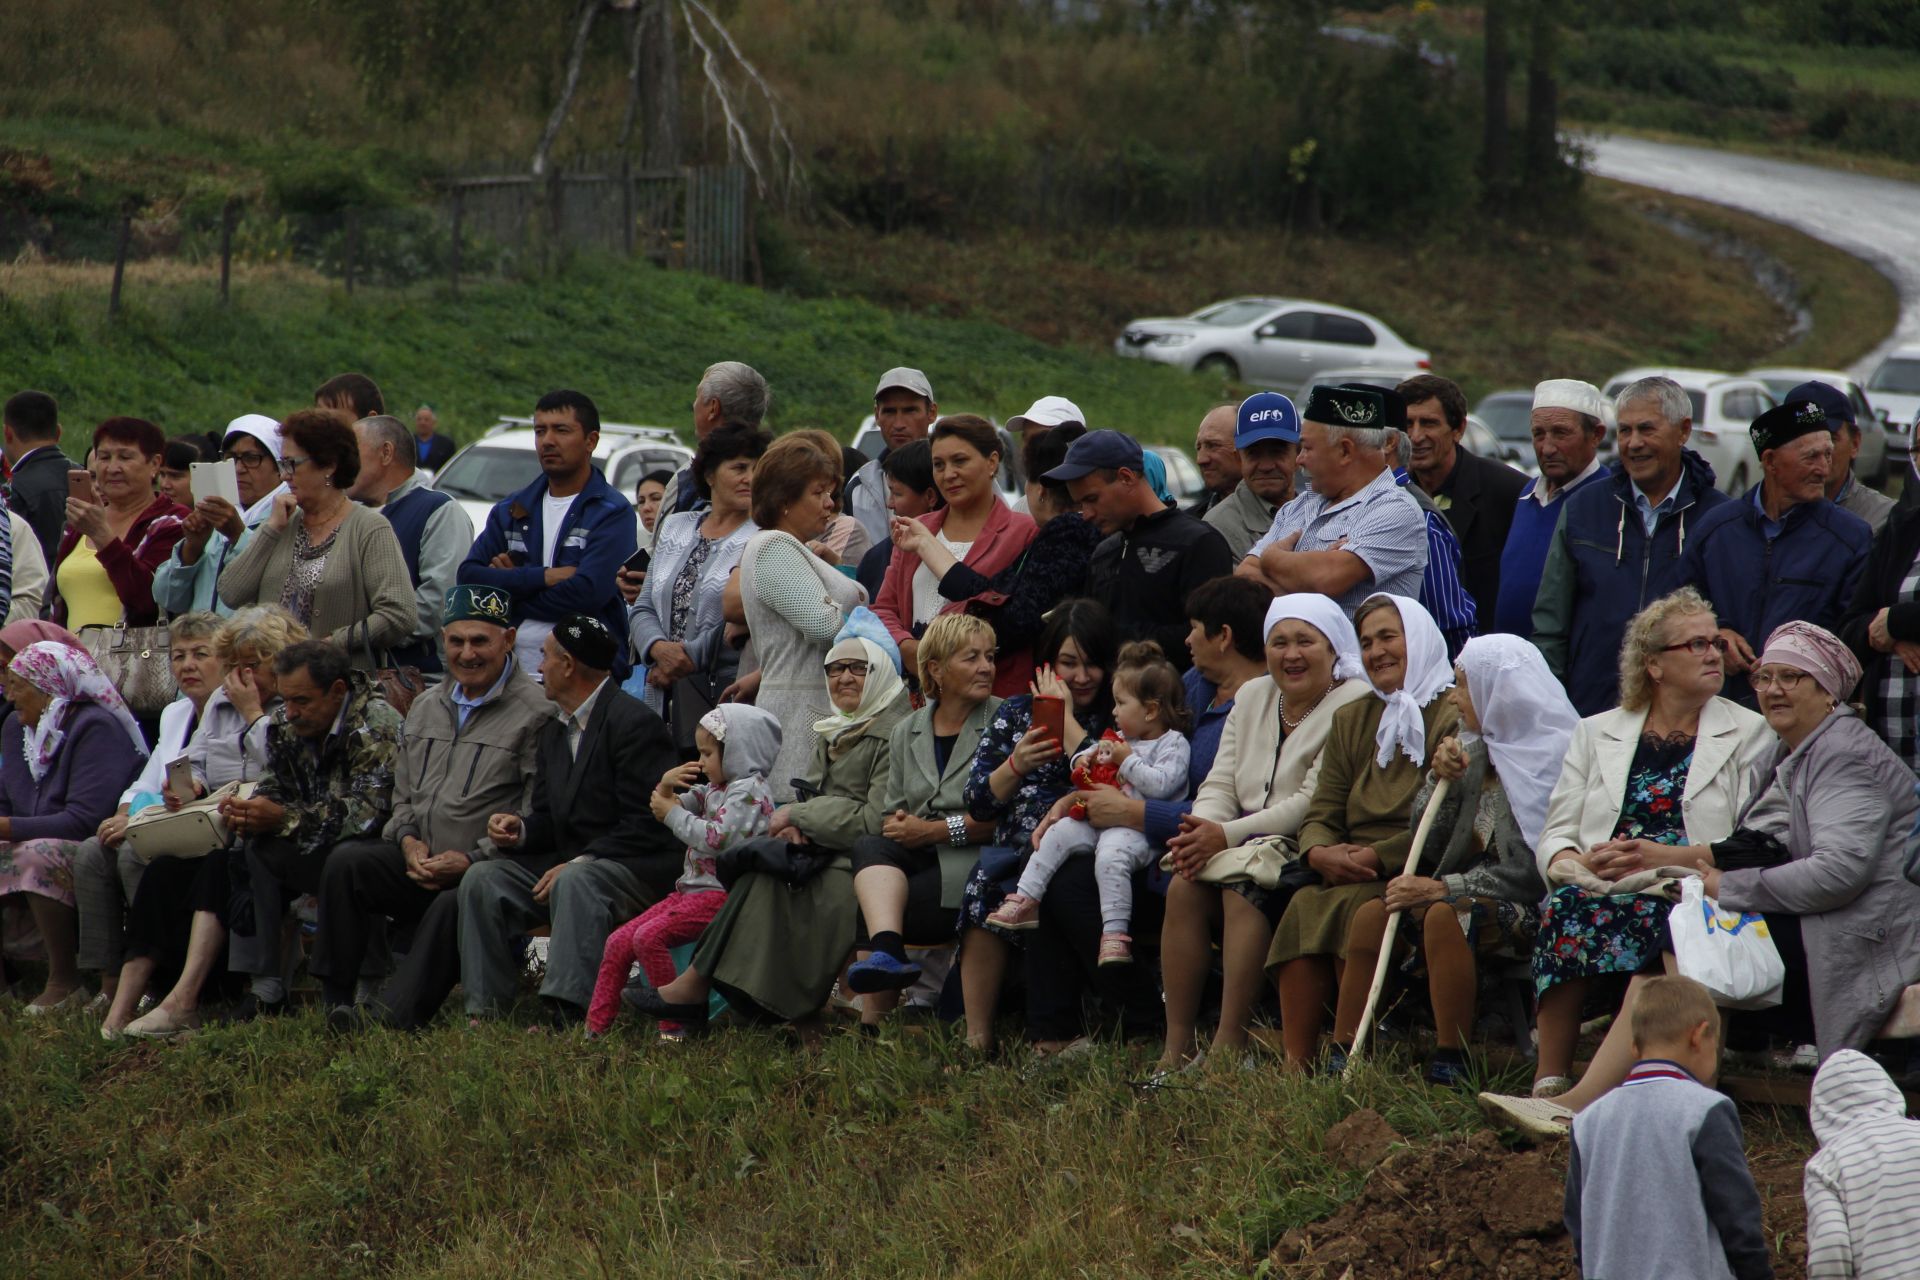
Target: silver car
pixel 1268 342
pixel 1895 387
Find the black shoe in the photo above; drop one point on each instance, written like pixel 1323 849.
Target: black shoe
pixel 646 1000
pixel 252 1008
pixel 346 1019
pixel 564 1015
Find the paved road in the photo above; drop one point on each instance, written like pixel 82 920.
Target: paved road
pixel 1875 218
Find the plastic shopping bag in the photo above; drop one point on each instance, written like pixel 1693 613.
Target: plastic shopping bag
pixel 1730 954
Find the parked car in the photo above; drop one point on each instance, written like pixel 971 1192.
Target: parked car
pixel 1870 464
pixel 1010 482
pixel 504 461
pixel 1895 387
pixel 1268 342
pixel 1724 407
pixel 1183 477
pixel 1509 415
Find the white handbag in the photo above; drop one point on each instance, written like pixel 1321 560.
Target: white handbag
pixel 191 831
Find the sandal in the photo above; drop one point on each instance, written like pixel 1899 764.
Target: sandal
pixel 1551 1086
pixel 1539 1117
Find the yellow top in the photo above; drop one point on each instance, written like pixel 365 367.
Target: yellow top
pixel 84 585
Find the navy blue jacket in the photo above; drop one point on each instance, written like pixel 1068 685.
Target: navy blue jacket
pixel 1809 573
pixel 599 537
pixel 1602 568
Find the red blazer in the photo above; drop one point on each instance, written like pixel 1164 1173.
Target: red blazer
pixel 1002 539
pixel 130 561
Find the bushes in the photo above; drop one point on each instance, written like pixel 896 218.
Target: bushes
pixel 1667 66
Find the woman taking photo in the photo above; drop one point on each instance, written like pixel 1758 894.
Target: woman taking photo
pixel 1231 848
pixel 1478 889
pixel 676 625
pixel 791 600
pixel 776 948
pixel 334 565
pixel 974 528
pixel 68 749
pixel 118 532
pixel 1355 833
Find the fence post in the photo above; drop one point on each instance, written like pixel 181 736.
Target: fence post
pixel 459 217
pixel 121 243
pixel 228 212
pixel 353 245
pixel 889 182
pixel 626 202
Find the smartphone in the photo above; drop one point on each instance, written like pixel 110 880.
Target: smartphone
pixel 80 485
pixel 638 561
pixel 1050 714
pixel 180 779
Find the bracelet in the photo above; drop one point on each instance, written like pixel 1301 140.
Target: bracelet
pixel 956 830
pixel 1014 769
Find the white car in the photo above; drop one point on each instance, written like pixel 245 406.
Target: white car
pixel 1724 406
pixel 1268 342
pixel 1870 464
pixel 504 461
pixel 1895 388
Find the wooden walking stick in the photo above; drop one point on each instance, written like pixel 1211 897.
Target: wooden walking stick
pixel 1393 925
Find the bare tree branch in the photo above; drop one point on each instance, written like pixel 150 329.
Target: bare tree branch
pixel 793 182
pixel 636 50
pixel 589 11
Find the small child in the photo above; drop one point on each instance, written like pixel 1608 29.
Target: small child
pixel 1657 1180
pixel 737 746
pixel 1863 1217
pixel 1150 709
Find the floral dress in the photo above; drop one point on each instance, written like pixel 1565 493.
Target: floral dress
pixel 998 870
pixel 1585 935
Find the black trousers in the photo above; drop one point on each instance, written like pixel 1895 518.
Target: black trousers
pixel 924 923
pixel 363 883
pixel 1062 960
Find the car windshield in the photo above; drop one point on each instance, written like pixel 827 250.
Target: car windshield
pixel 1511 417
pixel 1900 376
pixel 1231 315
pixel 488 473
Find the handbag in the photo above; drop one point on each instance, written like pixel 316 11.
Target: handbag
pixel 792 864
pixel 194 830
pixel 1730 953
pixel 398 684
pixel 134 660
pixel 1262 860
pixel 690 698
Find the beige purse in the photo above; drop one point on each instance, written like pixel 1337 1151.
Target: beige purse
pixel 134 660
pixel 191 831
pixel 1261 860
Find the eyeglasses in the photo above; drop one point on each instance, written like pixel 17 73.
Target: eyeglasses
pixel 1697 646
pixel 290 463
pixel 849 666
pixel 250 460
pixel 1779 678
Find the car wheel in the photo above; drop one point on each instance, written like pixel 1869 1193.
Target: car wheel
pixel 1218 366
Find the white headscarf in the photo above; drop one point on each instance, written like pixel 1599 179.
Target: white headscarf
pixel 1525 720
pixel 1324 616
pixel 267 432
pixel 883 686
pixel 1429 674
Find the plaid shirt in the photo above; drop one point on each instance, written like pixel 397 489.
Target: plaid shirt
pixel 343 790
pixel 1899 691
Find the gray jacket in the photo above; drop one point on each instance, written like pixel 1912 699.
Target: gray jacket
pixel 916 784
pixel 1505 869
pixel 449 780
pixel 1851 805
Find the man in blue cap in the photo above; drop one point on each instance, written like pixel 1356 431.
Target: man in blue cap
pixel 1266 435
pixel 1843 490
pixel 1783 553
pixel 1153 555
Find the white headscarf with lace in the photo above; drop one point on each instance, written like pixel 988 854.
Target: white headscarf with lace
pixel 1324 616
pixel 1525 720
pixel 1429 675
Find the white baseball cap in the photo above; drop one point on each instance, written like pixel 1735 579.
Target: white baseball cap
pixel 1048 411
pixel 904 379
pixel 1571 393
pixel 258 425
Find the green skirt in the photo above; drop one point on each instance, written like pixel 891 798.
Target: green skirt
pixel 779 947
pixel 1318 919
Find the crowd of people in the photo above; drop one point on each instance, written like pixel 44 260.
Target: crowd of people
pixel 877 731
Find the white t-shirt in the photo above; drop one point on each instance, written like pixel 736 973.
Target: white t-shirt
pixel 531 638
pixel 927 600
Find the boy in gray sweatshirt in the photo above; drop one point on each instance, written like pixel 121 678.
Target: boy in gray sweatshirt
pixel 1657 1181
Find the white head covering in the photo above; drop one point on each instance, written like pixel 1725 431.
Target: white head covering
pixel 1525 720
pixel 1324 616
pixel 883 686
pixel 267 432
pixel 1571 393
pixel 1429 674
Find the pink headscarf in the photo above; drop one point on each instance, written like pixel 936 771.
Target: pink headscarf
pixel 17 636
pixel 1816 651
pixel 68 675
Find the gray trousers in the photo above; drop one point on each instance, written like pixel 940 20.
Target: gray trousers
pixel 589 900
pixel 103 883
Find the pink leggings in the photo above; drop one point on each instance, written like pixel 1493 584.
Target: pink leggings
pixel 676 919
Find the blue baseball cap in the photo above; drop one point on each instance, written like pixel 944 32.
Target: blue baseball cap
pixel 1100 451
pixel 1832 401
pixel 1266 415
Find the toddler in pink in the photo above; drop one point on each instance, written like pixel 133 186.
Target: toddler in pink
pixel 737 745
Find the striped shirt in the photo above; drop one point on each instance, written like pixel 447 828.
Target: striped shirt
pixel 1862 1189
pixel 1381 525
pixel 1442 593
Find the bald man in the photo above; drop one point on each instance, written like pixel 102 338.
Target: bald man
pixel 1217 459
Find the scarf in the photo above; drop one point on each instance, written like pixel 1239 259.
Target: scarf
pixel 68 676
pixel 1324 616
pixel 1816 651
pixel 883 686
pixel 1429 674
pixel 1525 720
pixel 17 636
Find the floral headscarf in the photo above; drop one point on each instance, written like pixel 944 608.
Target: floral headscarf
pixel 68 676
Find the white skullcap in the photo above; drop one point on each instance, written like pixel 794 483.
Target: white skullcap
pixel 1571 393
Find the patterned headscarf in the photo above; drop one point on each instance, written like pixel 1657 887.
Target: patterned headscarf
pixel 68 676
pixel 1816 651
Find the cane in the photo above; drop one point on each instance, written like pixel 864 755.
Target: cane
pixel 1393 926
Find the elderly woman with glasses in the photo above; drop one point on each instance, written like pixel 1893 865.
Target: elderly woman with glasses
pixel 334 565
pixel 217 529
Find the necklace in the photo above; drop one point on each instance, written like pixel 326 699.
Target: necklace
pixel 1291 725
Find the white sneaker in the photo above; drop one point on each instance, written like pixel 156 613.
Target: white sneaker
pixel 1541 1117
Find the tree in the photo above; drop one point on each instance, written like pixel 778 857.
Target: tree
pixel 1543 96
pixel 1495 166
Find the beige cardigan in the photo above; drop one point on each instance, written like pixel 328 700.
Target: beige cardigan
pixel 1245 771
pixel 1587 800
pixel 365 580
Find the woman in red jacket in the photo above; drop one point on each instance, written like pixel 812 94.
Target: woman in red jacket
pixel 118 532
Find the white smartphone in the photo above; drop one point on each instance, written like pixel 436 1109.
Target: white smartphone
pixel 180 779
